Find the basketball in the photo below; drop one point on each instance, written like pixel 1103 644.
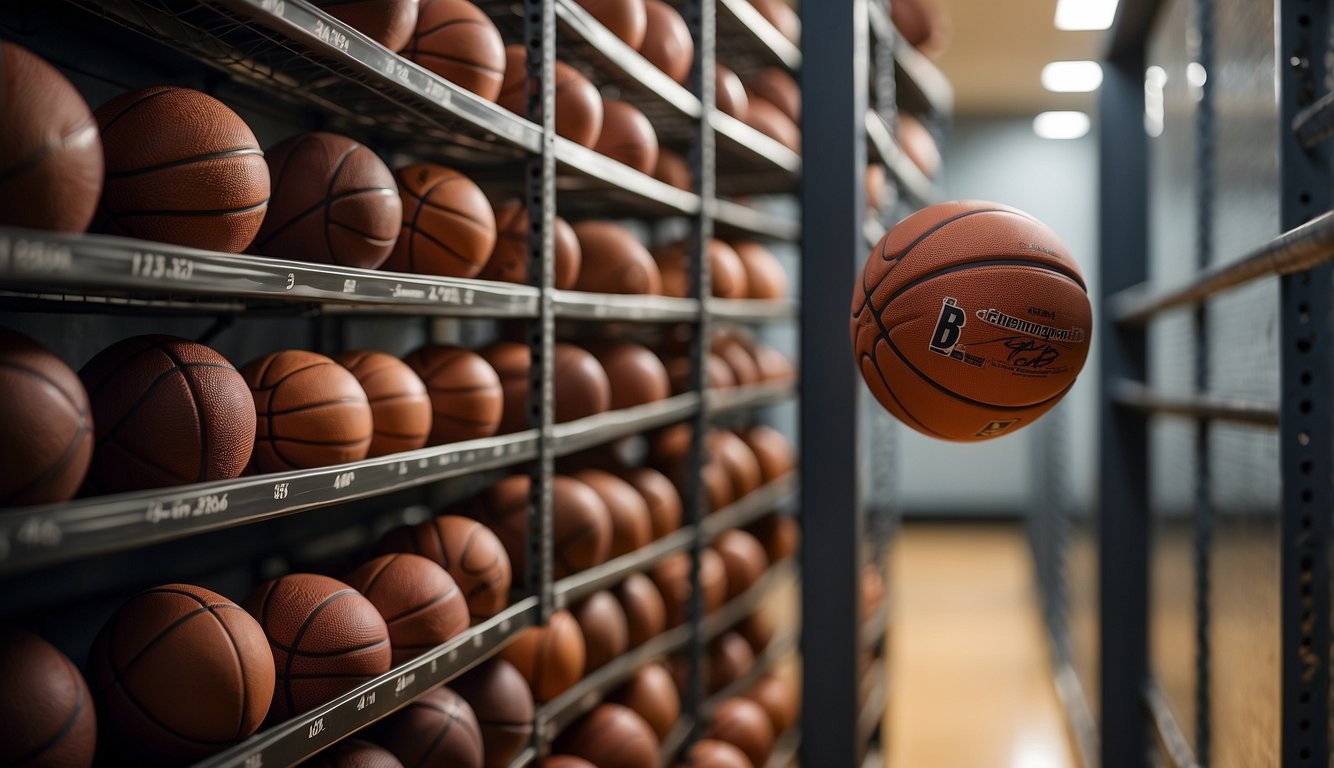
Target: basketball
pixel 469 551
pixel 400 406
pixel 158 653
pixel 46 427
pixel 354 753
pixel 742 468
pixel 784 19
pixel 141 384
pixel 772 450
pixel 778 88
pixel 744 560
pixel 765 276
pixel 759 630
pixel 627 19
pixel 448 227
pixel 738 358
pixel 578 102
pixel 780 700
pixel 726 272
pixel 718 374
pixel 712 579
pixel 325 637
pixel 664 503
pixel 387 22
pixel 730 94
pixel 504 708
pixel 769 120
pixel 730 657
pixel 652 694
pixel 50 152
pixel 780 536
pixel 712 753
pixel 877 187
pixel 919 145
pixel 53 725
pixel 645 611
pixel 614 261
pixel 564 761
pixel 636 375
pixel 773 365
pixel 466 398
pixel 551 657
pixel 667 43
pixel 334 202
pixel 581 386
pixel 612 736
pixel 439 730
pixel 627 136
pixel 970 321
pixel 673 170
pixel 509 259
pixel 581 524
pixel 605 628
pixel 311 412
pixel 672 577
pixel 744 724
pixel 457 41
pixel 200 182
pixel 418 600
pixel 631 526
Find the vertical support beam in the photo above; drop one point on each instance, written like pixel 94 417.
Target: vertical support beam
pixel 834 87
pixel 1123 446
pixel 1306 445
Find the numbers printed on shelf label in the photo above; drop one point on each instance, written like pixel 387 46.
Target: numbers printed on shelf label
pixel 365 701
pixel 279 491
pixel 254 761
pixel 316 728
pixel 36 256
pixel 277 8
pixel 403 681
pixel 401 71
pixel 39 532
pixel 344 479
pixel 350 285
pixel 436 90
pixel 181 509
pixel 291 281
pixel 445 294
pixel 332 36
pixel 157 266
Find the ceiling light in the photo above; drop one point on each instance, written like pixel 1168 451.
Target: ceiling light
pixel 1085 14
pixel 1061 125
pixel 1072 76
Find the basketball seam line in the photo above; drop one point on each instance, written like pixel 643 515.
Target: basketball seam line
pixel 65 728
pixel 36 158
pixel 97 386
pixel 417 211
pixel 36 374
pixel 296 643
pixel 370 585
pixel 324 202
pixel 182 162
pixel 886 256
pixel 450 355
pixel 120 216
pixel 271 438
pixel 443 245
pixel 132 105
pixel 55 468
pixel 139 402
pixel 240 668
pixel 328 193
pixel 419 54
pixel 371 238
pixel 392 398
pixel 312 406
pixel 412 612
pixel 456 212
pixel 998 262
pixel 439 737
pixel 300 654
pixel 198 408
pixel 443 25
pixel 467 388
pixel 285 376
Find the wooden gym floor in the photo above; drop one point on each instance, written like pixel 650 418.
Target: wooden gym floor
pixel 970 681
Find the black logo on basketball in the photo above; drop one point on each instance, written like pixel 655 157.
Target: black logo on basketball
pixel 996 427
pixel 948 326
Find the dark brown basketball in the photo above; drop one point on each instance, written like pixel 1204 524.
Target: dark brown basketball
pixel 181 168
pixel 712 753
pixel 354 753
pixel 667 42
pixel 778 88
pixel 46 426
pixel 512 362
pixel 53 725
pixel 628 136
pixel 672 169
pixel 627 19
pixel 448 228
pixel 509 259
pixel 334 202
pixel 387 22
pixel 778 696
pixel 780 536
pixel 672 577
pixel 772 450
pixel 744 724
pixel 466 398
pixel 154 659
pixel 718 372
pixel 167 411
pixel 759 630
pixel 738 358
pixel 744 560
pixel 730 657
pixel 765 276
pixel 439 730
pixel 50 151
pixel 418 600
pixel 970 320
pixel 581 385
pixel 726 271
pixel 605 628
pixel 400 406
pixel 578 102
pixel 564 761
pixel 469 551
pixel 773 365
pixel 325 637
pixel 770 121
pixel 551 657
pixel 612 736
pixel 664 503
pixel 730 93
pixel 780 14
pixel 457 41
pixel 504 707
pixel 311 412
pixel 637 376
pixel 645 611
pixel 742 468
pixel 652 694
pixel 631 526
pixel 581 524
pixel 614 261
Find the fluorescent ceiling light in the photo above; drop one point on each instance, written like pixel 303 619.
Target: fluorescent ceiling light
pixel 1085 14
pixel 1061 125
pixel 1072 76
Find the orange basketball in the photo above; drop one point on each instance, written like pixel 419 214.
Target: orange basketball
pixel 466 398
pixel 468 550
pixel 457 41
pixel 730 94
pixel 626 19
pixel 578 103
pixel 971 320
pixel 400 407
pixel 449 227
pixel 550 657
pixel 653 695
pixel 628 136
pixel 727 273
pixel 667 44
pixel 673 170
pixel 509 259
pixel 778 87
pixel 419 601
pixel 765 276
pixel 614 261
pixel 310 412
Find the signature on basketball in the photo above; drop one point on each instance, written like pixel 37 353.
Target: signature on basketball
pixel 1028 353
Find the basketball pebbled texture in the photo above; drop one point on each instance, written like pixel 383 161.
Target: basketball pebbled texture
pixel 449 228
pixel 504 707
pixel 400 406
pixel 53 724
pixel 310 411
pixel 612 736
pixel 46 425
pixel 581 523
pixel 627 136
pixel 970 320
pixel 181 168
pixel 326 639
pixel 50 151
pixel 550 657
pixel 667 43
pixel 419 601
pixel 167 411
pixel 652 694
pixel 578 102
pixel 457 41
pixel 333 202
pixel 388 22
pixel 614 261
pixel 155 657
pixel 509 259
pixel 467 400
pixel 354 753
pixel 627 19
pixel 439 730
pixel 469 551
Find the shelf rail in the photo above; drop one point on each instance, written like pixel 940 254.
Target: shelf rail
pixel 1133 394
